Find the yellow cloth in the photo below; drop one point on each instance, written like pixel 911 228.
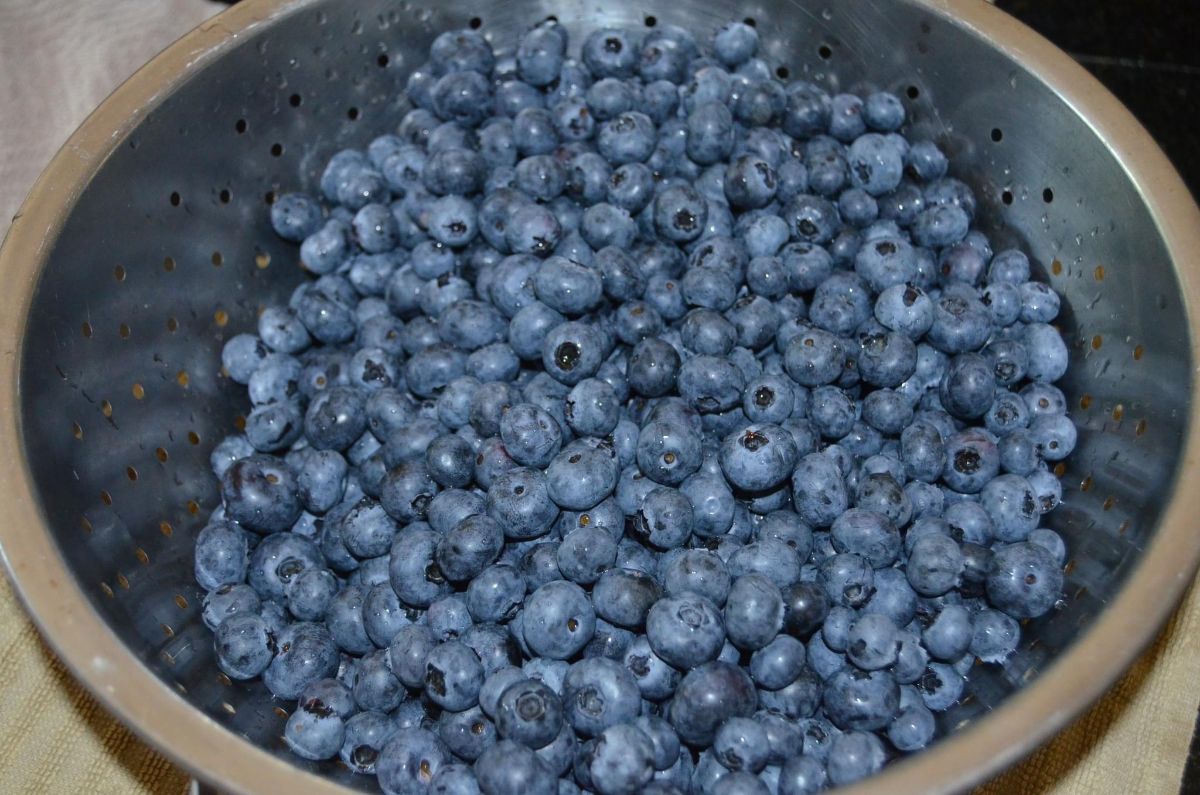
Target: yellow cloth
pixel 55 739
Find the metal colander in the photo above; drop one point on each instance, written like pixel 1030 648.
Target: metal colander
pixel 146 244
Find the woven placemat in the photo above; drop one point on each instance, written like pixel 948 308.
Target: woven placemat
pixel 54 738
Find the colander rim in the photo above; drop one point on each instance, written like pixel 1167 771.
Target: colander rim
pixel 96 656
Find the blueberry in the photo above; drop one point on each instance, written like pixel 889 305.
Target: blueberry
pixel 598 693
pixel 767 556
pixel 802 775
pixel 1024 580
pixel 968 387
pixel 306 653
pixel 559 620
pixel 295 216
pixel 710 384
pixel 663 58
pixel 706 697
pixel 222 556
pixel 819 492
pixel 469 548
pixel 660 99
pixel 621 761
pixel 540 54
pixel 454 779
pixel 753 612
pixel 994 635
pixel 734 43
pixel 310 593
pixel 758 457
pixel 453 676
pixel 935 565
pixel 853 756
pixel 665 518
pixel 314 731
pixel 410 760
pixel 529 713
pixel 779 663
pixel 244 645
pixel 261 494
pixel 610 52
pixel 367 530
pixel 509 768
pixel 685 630
pixel 940 686
pixel 365 735
pixel 625 596
pixel 814 358
pixel 407 491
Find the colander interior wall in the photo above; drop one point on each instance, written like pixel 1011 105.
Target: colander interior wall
pixel 169 252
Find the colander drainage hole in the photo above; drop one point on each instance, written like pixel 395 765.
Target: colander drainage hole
pixel 240 126
pixel 475 23
pixel 997 134
pixel 352 114
pixel 176 199
pixel 824 52
pixel 295 100
pixel 383 60
pixel 650 20
pixel 751 21
pixel 225 196
pixel 782 72
pixel 913 92
pixel 276 149
pixel 1047 195
pixel 1006 197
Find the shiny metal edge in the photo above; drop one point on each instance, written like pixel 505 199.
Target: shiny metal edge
pixel 97 657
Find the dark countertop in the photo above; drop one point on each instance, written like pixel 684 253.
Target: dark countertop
pixel 1147 52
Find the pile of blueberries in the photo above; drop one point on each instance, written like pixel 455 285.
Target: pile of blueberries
pixel 649 425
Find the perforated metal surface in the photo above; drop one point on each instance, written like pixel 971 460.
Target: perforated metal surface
pixel 168 252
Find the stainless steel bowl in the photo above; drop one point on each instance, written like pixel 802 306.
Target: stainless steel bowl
pixel 145 244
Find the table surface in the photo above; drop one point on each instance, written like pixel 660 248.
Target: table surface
pixel 61 57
